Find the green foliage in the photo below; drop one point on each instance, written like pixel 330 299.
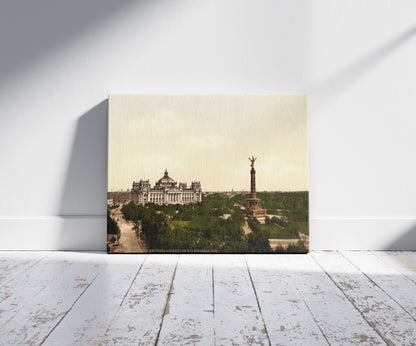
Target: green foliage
pixel 298 248
pixel 282 233
pixel 277 202
pixel 203 225
pixel 131 211
pixel 258 243
pixel 180 223
pixel 112 227
pixel 302 227
pixel 190 226
pixel 258 240
pixel 272 231
pixel 276 221
pixel 292 207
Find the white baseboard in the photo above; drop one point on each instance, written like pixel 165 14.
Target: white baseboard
pixel 89 233
pixel 81 233
pixel 362 234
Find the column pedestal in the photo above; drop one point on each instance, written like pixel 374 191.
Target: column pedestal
pixel 253 204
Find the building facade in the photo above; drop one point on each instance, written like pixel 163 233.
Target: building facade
pixel 166 191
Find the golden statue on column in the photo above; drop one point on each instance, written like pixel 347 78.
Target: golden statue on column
pixel 252 159
pixel 253 204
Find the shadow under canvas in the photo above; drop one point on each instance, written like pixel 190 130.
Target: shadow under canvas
pixel 83 202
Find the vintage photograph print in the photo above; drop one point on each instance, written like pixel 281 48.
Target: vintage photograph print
pixel 207 174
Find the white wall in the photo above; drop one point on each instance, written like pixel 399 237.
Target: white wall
pixel 60 59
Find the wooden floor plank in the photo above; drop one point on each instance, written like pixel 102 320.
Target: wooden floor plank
pixel 391 322
pixel 189 316
pixel 402 261
pixel 387 276
pixel 42 313
pixel 338 319
pixel 13 263
pixel 287 317
pixel 410 254
pixel 15 294
pixel 80 299
pixel 139 318
pixel 238 320
pixel 88 320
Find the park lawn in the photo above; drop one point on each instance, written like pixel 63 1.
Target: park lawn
pixel 272 212
pixel 280 233
pixel 302 227
pixel 180 223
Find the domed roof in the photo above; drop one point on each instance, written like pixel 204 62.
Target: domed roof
pixel 165 179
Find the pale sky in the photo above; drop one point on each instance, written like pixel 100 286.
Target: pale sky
pixel 209 138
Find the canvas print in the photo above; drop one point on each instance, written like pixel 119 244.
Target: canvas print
pixel 207 174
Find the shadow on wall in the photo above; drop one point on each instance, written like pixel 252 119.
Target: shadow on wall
pixel 84 196
pixel 324 92
pixel 25 27
pixel 327 90
pixel 86 180
pixel 407 241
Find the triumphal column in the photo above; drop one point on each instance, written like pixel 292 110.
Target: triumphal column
pixel 253 204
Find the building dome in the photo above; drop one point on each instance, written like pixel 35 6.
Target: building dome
pixel 166 180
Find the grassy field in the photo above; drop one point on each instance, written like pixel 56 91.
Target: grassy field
pixel 279 233
pixel 180 223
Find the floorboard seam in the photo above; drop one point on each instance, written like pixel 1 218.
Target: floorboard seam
pixel 122 301
pixel 309 309
pixel 257 300
pixel 348 298
pixel 70 308
pixel 134 279
pixel 167 301
pixel 372 281
pixel 37 293
pixel 25 270
pixel 406 253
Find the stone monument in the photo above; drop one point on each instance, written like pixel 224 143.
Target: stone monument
pixel 253 204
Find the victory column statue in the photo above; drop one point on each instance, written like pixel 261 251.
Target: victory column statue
pixel 253 204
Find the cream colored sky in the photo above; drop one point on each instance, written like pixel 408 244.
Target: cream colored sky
pixel 209 138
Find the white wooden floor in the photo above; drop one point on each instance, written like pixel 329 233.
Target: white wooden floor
pixel 336 298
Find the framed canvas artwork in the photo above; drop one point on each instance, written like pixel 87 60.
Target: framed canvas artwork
pixel 207 174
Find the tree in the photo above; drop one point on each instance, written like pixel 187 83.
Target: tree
pixel 112 227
